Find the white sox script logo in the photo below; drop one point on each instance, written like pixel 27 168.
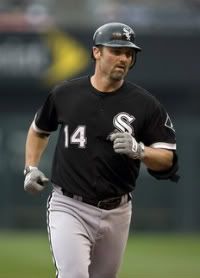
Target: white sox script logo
pixel 122 122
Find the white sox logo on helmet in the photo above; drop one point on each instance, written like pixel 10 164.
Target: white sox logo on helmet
pixel 127 33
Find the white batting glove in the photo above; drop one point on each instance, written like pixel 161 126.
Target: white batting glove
pixel 35 181
pixel 124 143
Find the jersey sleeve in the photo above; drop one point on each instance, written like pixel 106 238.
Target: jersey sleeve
pixel 160 133
pixel 46 119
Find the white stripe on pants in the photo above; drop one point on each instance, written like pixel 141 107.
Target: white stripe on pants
pixel 86 241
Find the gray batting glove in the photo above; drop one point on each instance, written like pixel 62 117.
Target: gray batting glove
pixel 35 181
pixel 124 143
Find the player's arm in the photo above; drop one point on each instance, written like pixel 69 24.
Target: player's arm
pixel 45 122
pixel 36 143
pixel 157 159
pixel 161 163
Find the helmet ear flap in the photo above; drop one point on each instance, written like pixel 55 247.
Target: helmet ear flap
pixel 134 58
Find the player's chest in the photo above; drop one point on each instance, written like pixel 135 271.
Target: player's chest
pixel 103 115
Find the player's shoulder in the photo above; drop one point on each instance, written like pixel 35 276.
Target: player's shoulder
pixel 73 84
pixel 142 93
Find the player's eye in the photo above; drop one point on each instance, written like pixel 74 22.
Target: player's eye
pixel 116 51
pixel 129 53
pixel 120 51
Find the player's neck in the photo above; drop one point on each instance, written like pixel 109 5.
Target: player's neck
pixel 105 85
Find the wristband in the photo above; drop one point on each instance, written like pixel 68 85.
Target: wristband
pixel 28 169
pixel 141 150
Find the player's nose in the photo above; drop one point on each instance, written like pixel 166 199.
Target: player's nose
pixel 124 58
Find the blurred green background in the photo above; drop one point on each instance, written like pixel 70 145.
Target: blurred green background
pixel 147 256
pixel 42 43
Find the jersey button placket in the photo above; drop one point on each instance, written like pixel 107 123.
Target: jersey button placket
pixel 100 111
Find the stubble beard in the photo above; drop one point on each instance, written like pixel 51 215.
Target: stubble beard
pixel 117 75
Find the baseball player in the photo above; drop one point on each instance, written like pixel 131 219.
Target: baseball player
pixel 107 127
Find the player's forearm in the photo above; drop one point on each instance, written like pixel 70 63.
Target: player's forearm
pixel 157 159
pixel 35 145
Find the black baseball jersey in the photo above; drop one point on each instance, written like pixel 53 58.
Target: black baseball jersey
pixel 84 161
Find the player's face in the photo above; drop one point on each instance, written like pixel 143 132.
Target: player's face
pixel 115 61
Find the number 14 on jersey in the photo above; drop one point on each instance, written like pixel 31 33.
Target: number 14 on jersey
pixel 78 136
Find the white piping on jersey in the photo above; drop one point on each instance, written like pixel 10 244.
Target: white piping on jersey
pixel 163 145
pixel 38 130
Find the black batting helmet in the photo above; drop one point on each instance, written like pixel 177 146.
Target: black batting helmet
pixel 115 34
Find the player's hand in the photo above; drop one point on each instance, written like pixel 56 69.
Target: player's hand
pixel 124 143
pixel 35 181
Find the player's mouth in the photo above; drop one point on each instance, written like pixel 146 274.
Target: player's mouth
pixel 120 67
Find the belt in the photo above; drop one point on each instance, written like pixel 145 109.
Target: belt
pixel 107 204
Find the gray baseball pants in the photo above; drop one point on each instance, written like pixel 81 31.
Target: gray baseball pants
pixel 86 241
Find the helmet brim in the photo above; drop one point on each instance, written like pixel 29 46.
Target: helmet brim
pixel 121 43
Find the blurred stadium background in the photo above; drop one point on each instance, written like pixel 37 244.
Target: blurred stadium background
pixel 45 41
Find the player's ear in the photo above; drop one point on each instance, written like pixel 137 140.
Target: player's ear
pixel 96 52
